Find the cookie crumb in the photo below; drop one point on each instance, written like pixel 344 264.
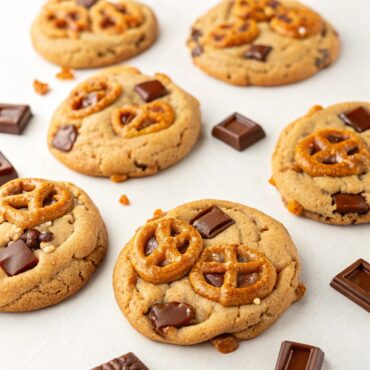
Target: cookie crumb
pixel 295 208
pixel 225 343
pixel 48 249
pixel 272 181
pixel 65 74
pixel 300 291
pixel 41 87
pixel 257 301
pixel 124 200
pixel 118 178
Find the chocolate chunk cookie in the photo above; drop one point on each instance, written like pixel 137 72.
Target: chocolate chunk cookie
pixel 52 239
pixel 207 271
pixel 262 42
pixel 93 33
pixel 124 124
pixel 321 164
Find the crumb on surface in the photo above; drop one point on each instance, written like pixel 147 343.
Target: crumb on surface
pixel 124 200
pixel 225 343
pixel 65 74
pixel 118 178
pixel 41 87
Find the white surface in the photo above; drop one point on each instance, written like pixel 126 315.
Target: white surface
pixel 89 329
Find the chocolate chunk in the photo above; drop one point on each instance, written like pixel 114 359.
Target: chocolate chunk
pixel 89 100
pixel 197 51
pixel 196 34
pixel 216 280
pixel 151 90
pixel 354 283
pixel 238 131
pixel 246 280
pixel 46 237
pixel 86 3
pixel 14 118
pixel 64 138
pixel 7 171
pixel 258 52
pixel 323 60
pixel 211 222
pixel 150 246
pixel 350 203
pixel 31 238
pixel 358 118
pixel 126 362
pixel 17 257
pixel 298 356
pixel 173 314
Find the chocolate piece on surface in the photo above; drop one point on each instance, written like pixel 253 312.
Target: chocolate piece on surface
pixel 64 138
pixel 238 131
pixel 258 52
pixel 211 222
pixel 17 257
pixel 125 362
pixel 151 90
pixel 14 118
pixel 358 118
pixel 298 356
pixel 354 283
pixel 350 203
pixel 7 171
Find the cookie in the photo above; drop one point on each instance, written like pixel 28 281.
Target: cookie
pixel 209 270
pixel 321 164
pixel 93 33
pixel 121 124
pixel 52 238
pixel 262 42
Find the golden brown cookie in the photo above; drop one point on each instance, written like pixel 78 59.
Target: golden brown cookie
pixel 52 238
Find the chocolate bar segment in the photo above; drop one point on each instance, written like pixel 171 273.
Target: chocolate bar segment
pixel 14 118
pixel 65 138
pixel 151 90
pixel 358 118
pixel 350 203
pixel 126 362
pixel 211 222
pixel 258 52
pixel 17 257
pixel 238 131
pixel 7 171
pixel 354 283
pixel 298 356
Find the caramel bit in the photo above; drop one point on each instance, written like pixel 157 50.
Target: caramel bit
pixel 65 74
pixel 41 87
pixel 124 200
pixel 300 291
pixel 272 181
pixel 157 214
pixel 118 178
pixel 295 208
pixel 314 109
pixel 225 343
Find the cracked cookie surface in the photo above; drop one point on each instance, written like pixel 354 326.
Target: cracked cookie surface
pixel 210 319
pixel 274 55
pixel 312 193
pixel 76 243
pixel 74 35
pixel 121 135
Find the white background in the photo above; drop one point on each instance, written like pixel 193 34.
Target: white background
pixel 89 329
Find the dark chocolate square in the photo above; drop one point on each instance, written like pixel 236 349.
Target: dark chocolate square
pixel 126 362
pixel 298 356
pixel 350 203
pixel 211 222
pixel 358 118
pixel 151 90
pixel 7 171
pixel 238 131
pixel 258 52
pixel 354 283
pixel 14 118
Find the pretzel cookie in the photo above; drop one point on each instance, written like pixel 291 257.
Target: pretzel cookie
pixel 262 42
pixel 93 33
pixel 52 238
pixel 121 124
pixel 209 270
pixel 321 164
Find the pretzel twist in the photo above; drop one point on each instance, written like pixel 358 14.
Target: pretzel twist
pixel 259 10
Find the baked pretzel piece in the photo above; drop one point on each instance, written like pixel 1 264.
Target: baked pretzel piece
pixel 297 23
pixel 132 121
pixel 226 35
pixel 233 274
pixel 92 96
pixel 165 250
pixel 333 152
pixel 64 19
pixel 31 202
pixel 259 10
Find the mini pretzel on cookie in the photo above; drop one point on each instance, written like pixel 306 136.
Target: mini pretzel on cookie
pixel 333 152
pixel 131 121
pixel 297 23
pixel 165 250
pixel 238 33
pixel 233 274
pixel 93 96
pixel 259 10
pixel 31 202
